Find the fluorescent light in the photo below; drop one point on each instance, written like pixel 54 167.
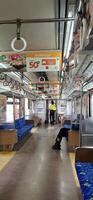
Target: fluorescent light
pixel 80 3
pixel 69 35
pixel 72 62
pixel 43 96
pixel 25 82
pixel 3 65
pixel 13 73
pixel 70 39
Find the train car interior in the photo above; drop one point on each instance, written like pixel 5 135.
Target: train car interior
pixel 46 100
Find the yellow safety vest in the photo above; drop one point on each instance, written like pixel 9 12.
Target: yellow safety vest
pixel 52 107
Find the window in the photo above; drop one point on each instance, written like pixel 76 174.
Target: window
pixel 9 110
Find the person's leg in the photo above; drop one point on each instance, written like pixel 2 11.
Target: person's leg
pixel 50 117
pixel 53 116
pixel 58 141
pixel 62 133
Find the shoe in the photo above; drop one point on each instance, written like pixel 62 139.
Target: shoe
pixel 56 147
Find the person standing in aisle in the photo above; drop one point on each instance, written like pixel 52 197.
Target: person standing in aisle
pixel 52 109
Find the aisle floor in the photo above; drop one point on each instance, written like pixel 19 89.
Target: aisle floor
pixel 37 172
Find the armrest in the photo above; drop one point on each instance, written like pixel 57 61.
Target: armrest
pixel 8 137
pixel 29 121
pixel 84 154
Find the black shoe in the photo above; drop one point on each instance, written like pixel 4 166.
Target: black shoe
pixel 55 147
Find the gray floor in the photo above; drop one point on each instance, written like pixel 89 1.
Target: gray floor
pixel 37 172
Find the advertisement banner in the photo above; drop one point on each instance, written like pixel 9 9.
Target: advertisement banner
pixel 44 61
pixel 15 60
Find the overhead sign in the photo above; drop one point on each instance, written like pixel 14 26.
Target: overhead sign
pixel 16 60
pixel 44 61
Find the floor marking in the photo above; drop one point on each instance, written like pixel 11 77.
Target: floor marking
pixel 72 160
pixel 5 157
pixel 34 130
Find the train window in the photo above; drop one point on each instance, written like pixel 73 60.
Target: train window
pixel 9 100
pixel 16 108
pixel 10 109
pixel 16 100
pixel 27 110
pixel 9 112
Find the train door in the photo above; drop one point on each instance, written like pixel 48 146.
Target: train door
pixel 27 108
pixel 40 109
pixel 12 109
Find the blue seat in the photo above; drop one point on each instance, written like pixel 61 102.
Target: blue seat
pixel 85 175
pixel 67 126
pixel 20 125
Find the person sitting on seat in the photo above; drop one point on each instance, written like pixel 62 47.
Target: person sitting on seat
pixel 64 131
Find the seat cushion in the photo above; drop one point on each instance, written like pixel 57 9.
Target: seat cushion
pixel 24 130
pixel 85 176
pixel 67 126
pixel 19 123
pixel 29 126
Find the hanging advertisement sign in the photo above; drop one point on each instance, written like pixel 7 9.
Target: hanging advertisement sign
pixel 3 103
pixel 44 61
pixel 15 60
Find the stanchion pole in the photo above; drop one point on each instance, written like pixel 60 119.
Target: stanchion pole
pixel 80 130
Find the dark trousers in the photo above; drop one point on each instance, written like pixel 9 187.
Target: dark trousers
pixel 52 116
pixel 62 133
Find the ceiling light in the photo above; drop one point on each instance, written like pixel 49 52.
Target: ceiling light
pixel 3 65
pixel 13 73
pixel 25 82
pixel 72 62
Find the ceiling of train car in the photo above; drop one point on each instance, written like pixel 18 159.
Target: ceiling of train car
pixel 39 36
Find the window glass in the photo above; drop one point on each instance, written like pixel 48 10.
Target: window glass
pixel 10 100
pixel 16 108
pixel 9 113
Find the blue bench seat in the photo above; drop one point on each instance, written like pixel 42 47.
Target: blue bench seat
pixel 20 125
